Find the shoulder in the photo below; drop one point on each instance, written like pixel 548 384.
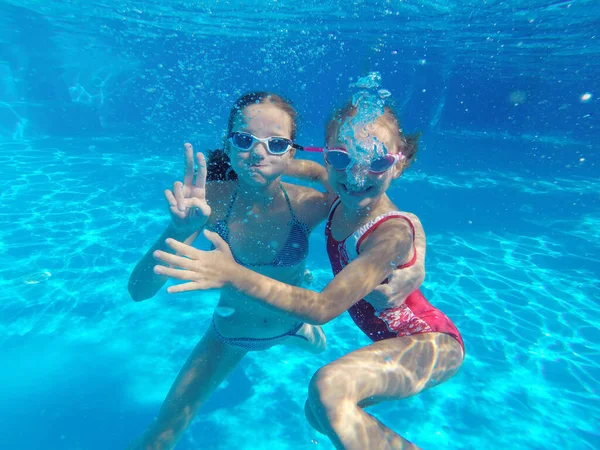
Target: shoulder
pixel 414 219
pixel 310 205
pixel 408 217
pixel 217 189
pixel 392 233
pixel 392 226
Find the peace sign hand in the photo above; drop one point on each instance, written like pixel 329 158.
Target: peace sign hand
pixel 187 202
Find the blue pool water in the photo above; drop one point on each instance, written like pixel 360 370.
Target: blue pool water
pixel 96 99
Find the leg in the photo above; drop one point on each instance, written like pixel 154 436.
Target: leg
pixel 386 370
pixel 206 368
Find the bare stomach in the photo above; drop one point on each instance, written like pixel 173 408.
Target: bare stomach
pixel 237 315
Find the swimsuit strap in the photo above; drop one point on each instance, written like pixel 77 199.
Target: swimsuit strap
pixel 334 206
pixel 221 227
pixel 294 223
pixel 232 200
pixel 289 203
pixel 358 237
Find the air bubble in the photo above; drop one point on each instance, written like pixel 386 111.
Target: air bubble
pixel 362 146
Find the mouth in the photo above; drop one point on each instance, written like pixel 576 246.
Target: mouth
pixel 356 191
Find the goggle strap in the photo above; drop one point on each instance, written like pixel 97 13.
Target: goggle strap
pixel 310 149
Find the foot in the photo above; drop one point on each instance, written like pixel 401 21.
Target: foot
pixel 310 338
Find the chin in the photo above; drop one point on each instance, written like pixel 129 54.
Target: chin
pixel 360 198
pixel 255 178
pixel 255 181
pixel 356 193
pixel 357 201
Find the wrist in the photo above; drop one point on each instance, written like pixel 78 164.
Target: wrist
pixel 233 272
pixel 179 233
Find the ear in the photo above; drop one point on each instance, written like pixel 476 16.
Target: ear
pixel 399 169
pixel 292 153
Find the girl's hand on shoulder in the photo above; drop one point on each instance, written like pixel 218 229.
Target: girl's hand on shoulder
pixel 402 282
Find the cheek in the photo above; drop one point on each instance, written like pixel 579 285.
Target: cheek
pixel 238 158
pixel 383 181
pixel 379 183
pixel 386 184
pixel 334 175
pixel 283 161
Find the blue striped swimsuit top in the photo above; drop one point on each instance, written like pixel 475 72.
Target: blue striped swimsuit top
pixel 295 249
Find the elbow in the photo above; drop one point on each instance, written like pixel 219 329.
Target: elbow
pixel 329 309
pixel 321 319
pixel 137 294
pixel 317 321
pixel 314 318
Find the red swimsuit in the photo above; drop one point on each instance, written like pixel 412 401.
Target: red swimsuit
pixel 415 316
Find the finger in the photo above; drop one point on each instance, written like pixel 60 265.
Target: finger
pixel 188 176
pixel 217 241
pixel 170 198
pixel 179 196
pixel 174 273
pixel 201 177
pixel 184 249
pixel 200 205
pixel 186 287
pixel 173 260
pixel 175 210
pixel 172 201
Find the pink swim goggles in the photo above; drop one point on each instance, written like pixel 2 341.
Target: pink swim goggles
pixel 339 159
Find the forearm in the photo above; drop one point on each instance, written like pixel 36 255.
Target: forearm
pixel 144 283
pixel 308 170
pixel 307 306
pixel 375 263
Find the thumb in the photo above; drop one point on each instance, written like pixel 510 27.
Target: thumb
pixel 217 241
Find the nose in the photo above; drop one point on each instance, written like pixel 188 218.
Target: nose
pixel 259 149
pixel 357 174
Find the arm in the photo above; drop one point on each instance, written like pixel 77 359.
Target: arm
pixel 387 247
pixel 308 170
pixel 143 282
pixel 189 213
pixel 403 281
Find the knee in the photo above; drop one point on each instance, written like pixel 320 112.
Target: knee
pixel 310 417
pixel 327 389
pixel 331 398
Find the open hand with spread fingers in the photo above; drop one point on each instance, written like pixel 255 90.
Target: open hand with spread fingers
pixel 202 269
